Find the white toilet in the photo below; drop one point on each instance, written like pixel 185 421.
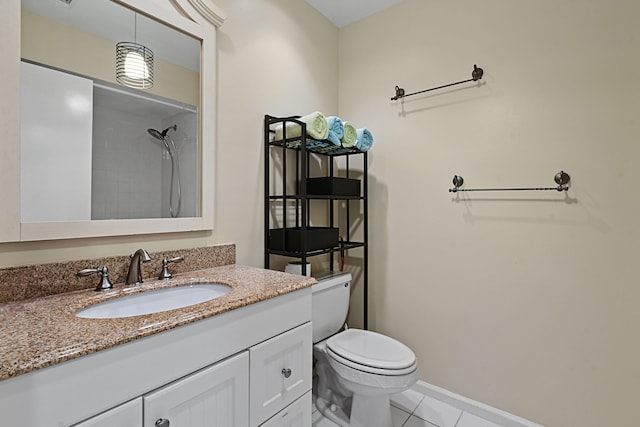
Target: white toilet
pixel 355 370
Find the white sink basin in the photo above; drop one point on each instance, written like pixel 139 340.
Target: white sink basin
pixel 155 301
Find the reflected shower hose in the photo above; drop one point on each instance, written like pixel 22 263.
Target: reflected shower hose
pixel 175 166
pixel 175 170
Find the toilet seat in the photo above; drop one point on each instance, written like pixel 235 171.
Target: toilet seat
pixel 371 352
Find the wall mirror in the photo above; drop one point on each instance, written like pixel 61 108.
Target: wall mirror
pixel 102 159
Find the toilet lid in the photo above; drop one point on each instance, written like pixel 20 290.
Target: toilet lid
pixel 371 349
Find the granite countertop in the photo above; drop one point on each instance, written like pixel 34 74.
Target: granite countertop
pixel 45 331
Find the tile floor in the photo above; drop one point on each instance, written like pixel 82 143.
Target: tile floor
pixel 413 409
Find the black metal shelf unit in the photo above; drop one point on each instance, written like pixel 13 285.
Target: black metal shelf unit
pixel 304 148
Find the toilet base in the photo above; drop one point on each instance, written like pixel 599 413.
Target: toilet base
pixel 366 411
pixel 370 411
pixel 331 411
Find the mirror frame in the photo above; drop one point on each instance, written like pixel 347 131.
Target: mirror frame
pixel 198 18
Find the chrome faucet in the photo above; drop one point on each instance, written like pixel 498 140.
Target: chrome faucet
pixel 134 276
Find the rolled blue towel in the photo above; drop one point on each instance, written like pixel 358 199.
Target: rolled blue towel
pixel 336 129
pixel 364 139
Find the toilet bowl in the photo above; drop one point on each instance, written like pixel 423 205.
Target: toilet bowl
pixel 357 370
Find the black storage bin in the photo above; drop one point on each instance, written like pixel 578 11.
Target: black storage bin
pixel 333 186
pixel 289 239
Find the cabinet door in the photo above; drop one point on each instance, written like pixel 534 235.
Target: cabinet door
pixel 298 414
pixel 214 397
pixel 280 372
pixel 126 415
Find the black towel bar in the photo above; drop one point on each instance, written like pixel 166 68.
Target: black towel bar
pixel 476 75
pixel 561 178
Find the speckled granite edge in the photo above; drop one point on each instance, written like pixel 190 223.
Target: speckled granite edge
pixel 35 281
pixel 45 331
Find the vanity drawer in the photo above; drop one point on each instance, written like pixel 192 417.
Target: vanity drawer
pixel 280 371
pixel 298 414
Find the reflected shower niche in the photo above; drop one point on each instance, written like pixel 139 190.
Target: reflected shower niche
pixel 92 150
pixel 145 157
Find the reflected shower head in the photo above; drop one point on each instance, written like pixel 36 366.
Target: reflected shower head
pixel 156 134
pixel 161 135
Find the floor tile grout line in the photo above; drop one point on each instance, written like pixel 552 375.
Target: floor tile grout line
pixel 410 413
pixel 424 396
pixel 405 421
pixel 459 417
pixel 416 408
pixel 413 414
pixel 413 411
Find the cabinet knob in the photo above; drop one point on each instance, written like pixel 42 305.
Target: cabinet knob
pixel 162 423
pixel 286 372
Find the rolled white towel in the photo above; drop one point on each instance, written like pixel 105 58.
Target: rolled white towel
pixel 350 137
pixel 317 127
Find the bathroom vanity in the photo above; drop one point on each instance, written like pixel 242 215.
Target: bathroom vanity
pixel 243 359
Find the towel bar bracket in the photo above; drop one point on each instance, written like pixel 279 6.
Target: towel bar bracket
pixel 561 178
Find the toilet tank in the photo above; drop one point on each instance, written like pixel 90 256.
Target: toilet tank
pixel 330 304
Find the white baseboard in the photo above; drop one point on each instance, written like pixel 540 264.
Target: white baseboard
pixel 481 410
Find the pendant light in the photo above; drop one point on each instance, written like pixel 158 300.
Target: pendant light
pixel 134 62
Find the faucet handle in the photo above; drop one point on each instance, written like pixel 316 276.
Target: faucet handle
pixel 165 273
pixel 104 284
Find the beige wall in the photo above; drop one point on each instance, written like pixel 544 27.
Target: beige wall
pixel 525 301
pixel 278 58
pixel 51 42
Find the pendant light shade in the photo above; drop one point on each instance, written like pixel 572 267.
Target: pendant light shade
pixel 134 62
pixel 134 65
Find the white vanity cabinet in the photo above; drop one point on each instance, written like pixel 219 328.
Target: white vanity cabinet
pixel 200 374
pixel 280 372
pixel 222 396
pixel 298 414
pixel 213 397
pixel 126 415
